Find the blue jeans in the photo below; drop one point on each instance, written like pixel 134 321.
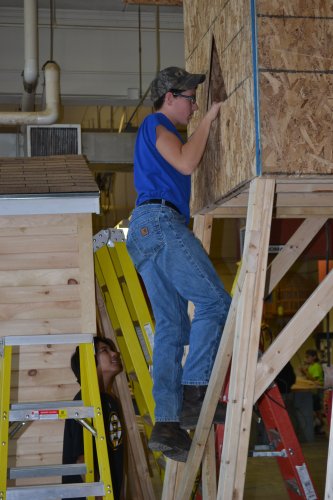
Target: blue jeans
pixel 175 269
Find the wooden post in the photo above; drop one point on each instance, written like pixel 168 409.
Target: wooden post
pixel 225 349
pixel 245 352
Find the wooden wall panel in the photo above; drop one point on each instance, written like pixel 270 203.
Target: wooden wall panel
pixel 311 8
pixel 46 287
pixel 40 443
pixel 214 180
pixel 296 123
pixel 295 86
pixel 280 104
pixel 295 44
pixel 197 21
pixel 229 159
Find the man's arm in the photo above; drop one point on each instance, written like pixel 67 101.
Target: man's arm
pixel 186 157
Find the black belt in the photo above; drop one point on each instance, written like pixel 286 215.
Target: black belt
pixel 159 201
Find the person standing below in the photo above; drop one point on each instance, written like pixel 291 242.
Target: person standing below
pixel 314 371
pixel 108 364
pixel 172 262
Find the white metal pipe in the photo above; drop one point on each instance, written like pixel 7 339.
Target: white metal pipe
pixel 30 72
pixel 52 103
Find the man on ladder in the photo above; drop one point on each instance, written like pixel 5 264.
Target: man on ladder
pixel 172 262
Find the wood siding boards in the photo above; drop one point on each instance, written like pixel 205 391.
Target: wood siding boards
pixel 46 287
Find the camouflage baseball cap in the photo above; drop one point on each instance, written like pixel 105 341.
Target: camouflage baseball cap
pixel 174 78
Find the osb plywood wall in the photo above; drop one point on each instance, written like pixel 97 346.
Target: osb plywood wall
pixel 292 80
pixel 296 85
pixel 218 42
pixel 46 287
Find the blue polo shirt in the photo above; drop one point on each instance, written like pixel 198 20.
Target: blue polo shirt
pixel 154 177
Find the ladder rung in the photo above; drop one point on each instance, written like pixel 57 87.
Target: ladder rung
pixel 256 454
pixel 47 410
pixel 55 491
pixel 46 404
pixel 68 338
pixel 47 471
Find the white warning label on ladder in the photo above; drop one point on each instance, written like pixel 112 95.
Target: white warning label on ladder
pixel 305 479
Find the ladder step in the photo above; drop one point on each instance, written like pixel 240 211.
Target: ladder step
pixel 256 454
pixel 55 491
pixel 47 471
pixel 68 338
pixel 49 410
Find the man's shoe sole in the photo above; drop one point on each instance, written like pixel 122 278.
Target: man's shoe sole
pixel 176 454
pixel 158 446
pixel 191 423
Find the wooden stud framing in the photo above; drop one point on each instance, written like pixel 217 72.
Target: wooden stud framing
pixel 245 352
pixel 247 385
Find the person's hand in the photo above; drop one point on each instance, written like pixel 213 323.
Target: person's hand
pixel 214 110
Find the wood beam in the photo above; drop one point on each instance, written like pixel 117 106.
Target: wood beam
pixel 208 475
pixel 246 345
pixel 218 375
pixel 329 475
pixel 294 334
pixel 292 250
pixel 202 228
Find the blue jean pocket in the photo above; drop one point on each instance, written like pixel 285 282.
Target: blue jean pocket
pixel 145 237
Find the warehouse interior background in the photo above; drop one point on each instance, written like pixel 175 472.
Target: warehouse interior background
pixel 108 53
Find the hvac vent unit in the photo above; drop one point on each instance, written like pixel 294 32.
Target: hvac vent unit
pixel 53 140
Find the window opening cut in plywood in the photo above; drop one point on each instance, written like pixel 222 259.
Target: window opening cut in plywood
pixel 212 161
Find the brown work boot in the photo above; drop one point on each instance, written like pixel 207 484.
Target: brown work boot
pixel 171 440
pixel 193 397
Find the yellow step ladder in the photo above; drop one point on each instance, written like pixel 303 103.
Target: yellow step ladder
pixel 131 320
pixel 88 412
pixel 129 315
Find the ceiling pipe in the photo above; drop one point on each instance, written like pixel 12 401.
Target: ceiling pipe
pixel 52 102
pixel 30 72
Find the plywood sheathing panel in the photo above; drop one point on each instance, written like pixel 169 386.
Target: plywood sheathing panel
pixel 294 87
pixel 196 26
pixel 214 180
pixel 296 122
pixel 296 90
pixel 230 155
pixel 302 8
pixel 295 44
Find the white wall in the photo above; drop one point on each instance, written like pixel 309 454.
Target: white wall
pixel 98 52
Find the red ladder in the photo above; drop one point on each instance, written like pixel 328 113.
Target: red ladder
pixel 283 445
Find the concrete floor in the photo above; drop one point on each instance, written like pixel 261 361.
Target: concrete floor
pixel 264 481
